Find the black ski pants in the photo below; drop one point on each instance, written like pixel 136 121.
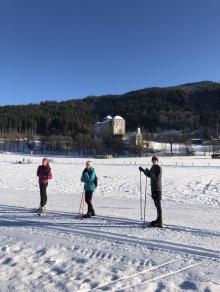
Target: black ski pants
pixel 43 194
pixel 88 199
pixel 156 196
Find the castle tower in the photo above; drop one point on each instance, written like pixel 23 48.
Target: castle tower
pixel 118 126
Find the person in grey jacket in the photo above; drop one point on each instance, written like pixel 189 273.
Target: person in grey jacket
pixel 155 175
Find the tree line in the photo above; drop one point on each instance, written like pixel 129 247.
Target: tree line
pixel 190 108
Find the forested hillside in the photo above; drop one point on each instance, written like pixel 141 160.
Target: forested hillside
pixel 191 106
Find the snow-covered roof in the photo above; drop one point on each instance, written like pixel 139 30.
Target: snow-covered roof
pixel 107 118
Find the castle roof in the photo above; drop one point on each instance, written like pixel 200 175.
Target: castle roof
pixel 118 118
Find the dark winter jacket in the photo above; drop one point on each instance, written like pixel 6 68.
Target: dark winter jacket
pixel 88 176
pixel 155 174
pixel 44 173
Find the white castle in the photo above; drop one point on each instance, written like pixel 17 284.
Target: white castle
pixel 110 126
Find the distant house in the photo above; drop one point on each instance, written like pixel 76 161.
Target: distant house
pixel 197 141
pixel 110 126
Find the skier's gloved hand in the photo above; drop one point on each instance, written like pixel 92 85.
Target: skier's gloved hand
pixel 147 171
pixel 141 169
pixel 85 170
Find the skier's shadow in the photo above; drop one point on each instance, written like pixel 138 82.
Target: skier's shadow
pixel 20 216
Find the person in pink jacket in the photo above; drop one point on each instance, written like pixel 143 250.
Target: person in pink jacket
pixel 44 174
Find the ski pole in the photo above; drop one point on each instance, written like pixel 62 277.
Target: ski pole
pixel 81 204
pixel 140 197
pixel 145 199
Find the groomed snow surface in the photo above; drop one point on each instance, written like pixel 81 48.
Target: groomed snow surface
pixel 111 252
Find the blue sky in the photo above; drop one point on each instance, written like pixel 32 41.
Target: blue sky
pixel 58 50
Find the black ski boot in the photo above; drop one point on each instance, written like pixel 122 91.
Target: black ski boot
pixel 88 215
pixel 157 223
pixel 153 222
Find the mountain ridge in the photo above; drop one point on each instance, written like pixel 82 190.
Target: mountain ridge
pixel 188 107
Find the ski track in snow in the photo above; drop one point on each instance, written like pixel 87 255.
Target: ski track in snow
pixel 111 252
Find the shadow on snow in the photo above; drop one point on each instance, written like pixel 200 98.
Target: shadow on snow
pixel 12 216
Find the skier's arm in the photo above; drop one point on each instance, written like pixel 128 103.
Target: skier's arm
pixel 141 169
pixel 83 175
pixel 50 175
pixel 155 176
pixel 145 171
pixel 83 178
pixel 89 179
pixel 93 176
pixel 38 171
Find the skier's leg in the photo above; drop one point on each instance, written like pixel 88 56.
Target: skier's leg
pixel 158 222
pixel 92 211
pixel 155 202
pixel 158 202
pixel 41 195
pixel 45 197
pixel 44 194
pixel 159 209
pixel 88 199
pixel 156 196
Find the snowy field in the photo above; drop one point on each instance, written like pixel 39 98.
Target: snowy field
pixel 111 252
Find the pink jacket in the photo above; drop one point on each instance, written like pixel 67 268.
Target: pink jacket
pixel 44 174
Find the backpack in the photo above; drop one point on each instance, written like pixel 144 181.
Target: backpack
pixel 96 181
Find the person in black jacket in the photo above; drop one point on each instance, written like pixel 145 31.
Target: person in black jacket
pixel 155 174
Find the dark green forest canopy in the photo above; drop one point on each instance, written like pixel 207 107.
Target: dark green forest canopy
pixel 192 106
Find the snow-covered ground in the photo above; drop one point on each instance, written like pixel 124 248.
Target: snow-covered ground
pixel 111 252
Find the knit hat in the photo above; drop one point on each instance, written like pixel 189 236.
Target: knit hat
pixel 45 159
